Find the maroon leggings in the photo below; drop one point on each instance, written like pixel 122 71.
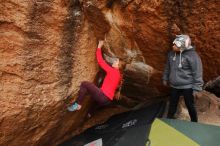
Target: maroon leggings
pixel 94 92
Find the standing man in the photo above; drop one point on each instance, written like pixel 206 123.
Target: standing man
pixel 183 73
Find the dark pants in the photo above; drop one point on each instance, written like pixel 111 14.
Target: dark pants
pixel 87 88
pixel 189 101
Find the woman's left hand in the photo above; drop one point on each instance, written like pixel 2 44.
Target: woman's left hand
pixel 101 43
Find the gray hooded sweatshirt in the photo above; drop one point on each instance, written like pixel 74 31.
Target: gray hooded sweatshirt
pixel 184 70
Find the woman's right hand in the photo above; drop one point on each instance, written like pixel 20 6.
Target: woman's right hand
pixel 101 43
pixel 165 83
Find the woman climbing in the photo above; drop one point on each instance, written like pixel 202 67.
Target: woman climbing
pixel 104 95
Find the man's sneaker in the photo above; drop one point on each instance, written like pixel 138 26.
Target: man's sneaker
pixel 73 107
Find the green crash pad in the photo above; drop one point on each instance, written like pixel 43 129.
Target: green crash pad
pixel 162 134
pixel 203 134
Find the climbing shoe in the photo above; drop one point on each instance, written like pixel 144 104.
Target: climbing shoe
pixel 73 107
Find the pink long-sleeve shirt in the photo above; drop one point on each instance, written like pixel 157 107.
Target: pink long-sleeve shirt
pixel 112 78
